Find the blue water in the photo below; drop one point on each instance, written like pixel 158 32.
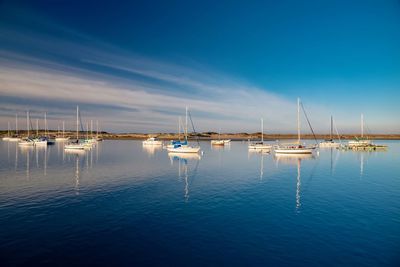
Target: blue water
pixel 124 205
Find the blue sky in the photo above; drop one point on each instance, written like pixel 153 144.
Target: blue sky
pixel 135 65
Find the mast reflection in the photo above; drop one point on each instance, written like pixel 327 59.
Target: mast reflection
pixel 295 159
pixel 183 160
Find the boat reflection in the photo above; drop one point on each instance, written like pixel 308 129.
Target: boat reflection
pixel 262 153
pixel 151 149
pixel 183 160
pixel 295 159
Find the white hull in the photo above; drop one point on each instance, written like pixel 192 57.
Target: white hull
pixel 218 142
pixel 184 149
pixel 294 151
pixel 14 139
pixel 6 138
pixel 356 143
pixel 26 143
pixel 329 144
pixel 152 143
pixel 227 141
pixel 75 147
pixel 260 146
pixel 40 143
pixel 61 139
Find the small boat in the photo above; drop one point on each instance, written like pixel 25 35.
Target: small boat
pixel 296 148
pixel 15 137
pixel 227 141
pixel 27 141
pixel 152 142
pixel 329 142
pixel 7 138
pixel 62 138
pixel 40 141
pixel 218 142
pixel 261 145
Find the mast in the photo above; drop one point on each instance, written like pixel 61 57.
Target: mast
pixel 8 127
pixel 16 124
pixel 298 120
pixel 91 129
pixel 262 130
pixel 63 129
pixel 186 128
pixel 331 126
pixel 87 131
pixel 362 125
pixel 37 127
pixel 77 123
pixel 45 124
pixel 179 128
pixel 97 128
pixel 27 121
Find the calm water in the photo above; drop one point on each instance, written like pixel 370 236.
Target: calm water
pixel 122 204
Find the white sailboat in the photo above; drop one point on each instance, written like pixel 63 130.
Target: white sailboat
pixel 15 137
pixel 296 148
pixel 329 142
pixel 218 142
pixel 180 148
pixel 261 145
pixel 360 142
pixel 6 138
pixel 75 145
pixel 27 141
pixel 62 138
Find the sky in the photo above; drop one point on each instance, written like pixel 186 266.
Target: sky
pixel 134 66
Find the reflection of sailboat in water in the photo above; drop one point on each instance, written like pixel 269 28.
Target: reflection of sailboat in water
pixel 183 168
pixel 262 153
pixel 77 174
pixel 290 159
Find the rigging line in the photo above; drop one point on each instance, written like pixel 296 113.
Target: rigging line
pixel 308 121
pixel 80 120
pixel 194 130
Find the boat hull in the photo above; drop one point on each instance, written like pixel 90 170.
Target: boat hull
pixel 183 149
pixel 294 151
pixel 329 144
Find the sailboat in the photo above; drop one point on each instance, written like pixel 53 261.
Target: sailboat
pixel 15 137
pixel 178 142
pixel 296 148
pixel 62 138
pixel 152 141
pixel 27 141
pixel 180 148
pixel 218 142
pixel 261 145
pixel 360 142
pixel 329 142
pixel 75 145
pixel 6 138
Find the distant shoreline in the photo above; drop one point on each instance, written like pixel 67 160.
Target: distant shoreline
pixel 212 135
